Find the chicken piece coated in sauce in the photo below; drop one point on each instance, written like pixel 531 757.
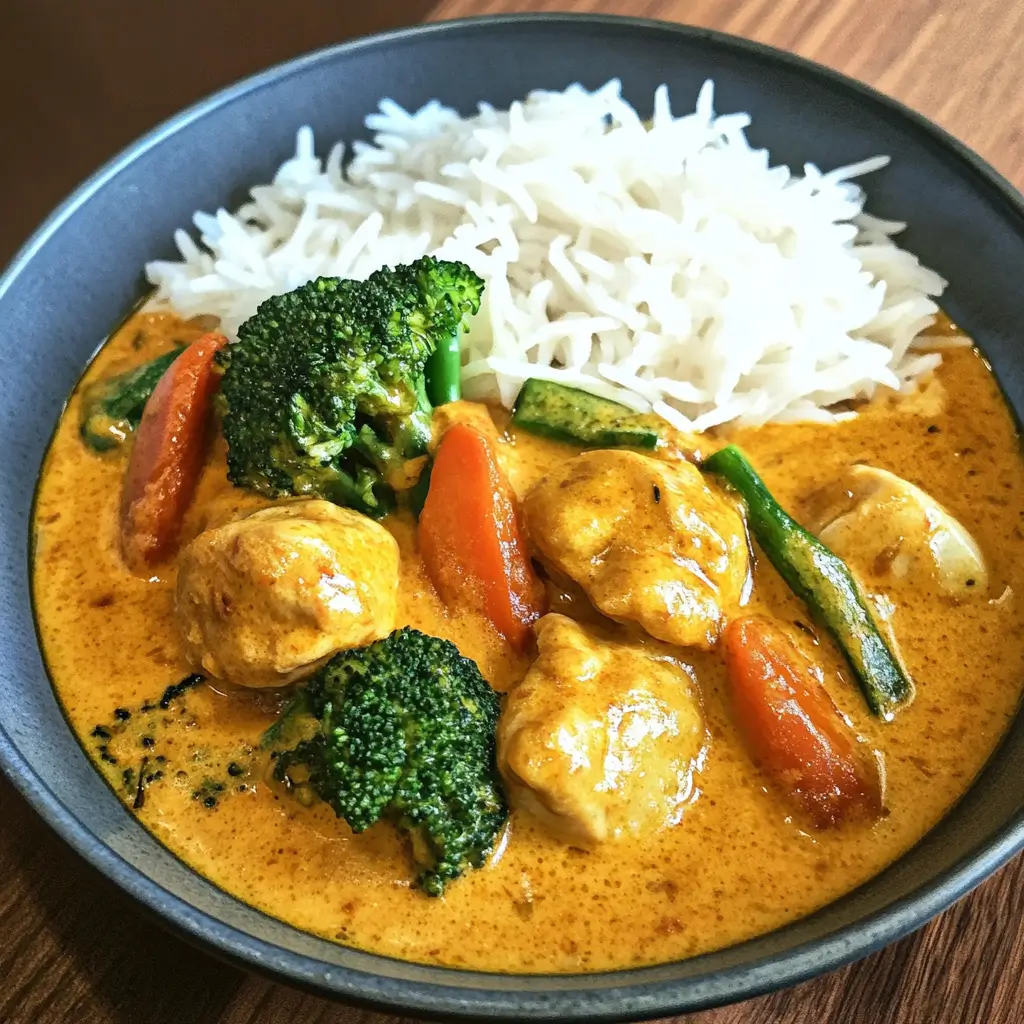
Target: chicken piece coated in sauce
pixel 263 600
pixel 600 740
pixel 648 540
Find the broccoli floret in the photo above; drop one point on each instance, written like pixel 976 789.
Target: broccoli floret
pixel 326 390
pixel 406 733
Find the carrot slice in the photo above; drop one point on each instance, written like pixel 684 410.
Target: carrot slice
pixel 792 728
pixel 167 456
pixel 470 538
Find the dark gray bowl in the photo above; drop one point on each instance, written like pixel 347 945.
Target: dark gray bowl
pixel 82 271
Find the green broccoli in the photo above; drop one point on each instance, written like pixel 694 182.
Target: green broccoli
pixel 406 733
pixel 331 386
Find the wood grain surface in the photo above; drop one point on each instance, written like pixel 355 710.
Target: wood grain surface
pixel 77 82
pixel 960 62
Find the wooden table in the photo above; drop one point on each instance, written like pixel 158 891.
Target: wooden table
pixel 87 80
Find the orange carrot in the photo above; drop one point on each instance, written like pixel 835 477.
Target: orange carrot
pixel 792 728
pixel 470 538
pixel 167 455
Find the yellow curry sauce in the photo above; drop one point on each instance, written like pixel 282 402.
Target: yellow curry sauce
pixel 739 863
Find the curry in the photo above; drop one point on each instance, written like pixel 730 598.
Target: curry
pixel 735 857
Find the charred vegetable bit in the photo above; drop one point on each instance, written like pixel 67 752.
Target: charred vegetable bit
pixel 124 719
pixel 173 692
pixel 140 791
pixel 577 417
pixel 793 730
pixel 111 409
pixel 406 733
pixel 823 581
pixel 209 792
pixel 331 387
pixel 145 779
pixel 131 733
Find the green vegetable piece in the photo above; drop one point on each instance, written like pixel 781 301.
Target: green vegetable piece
pixel 111 409
pixel 418 491
pixel 406 734
pixel 290 725
pixel 577 417
pixel 453 292
pixel 327 390
pixel 823 581
pixel 444 372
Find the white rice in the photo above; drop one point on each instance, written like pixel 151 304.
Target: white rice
pixel 673 268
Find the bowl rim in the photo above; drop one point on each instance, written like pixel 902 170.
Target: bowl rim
pixel 614 999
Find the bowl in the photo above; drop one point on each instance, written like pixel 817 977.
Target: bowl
pixel 83 270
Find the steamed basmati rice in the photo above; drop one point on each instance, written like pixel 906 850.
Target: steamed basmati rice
pixel 668 266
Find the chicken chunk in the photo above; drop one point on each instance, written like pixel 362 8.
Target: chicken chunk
pixel 600 740
pixel 886 527
pixel 263 600
pixel 647 540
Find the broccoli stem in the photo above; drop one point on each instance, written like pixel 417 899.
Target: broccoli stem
pixel 364 493
pixel 411 435
pixel 443 371
pixel 379 453
pixel 406 437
